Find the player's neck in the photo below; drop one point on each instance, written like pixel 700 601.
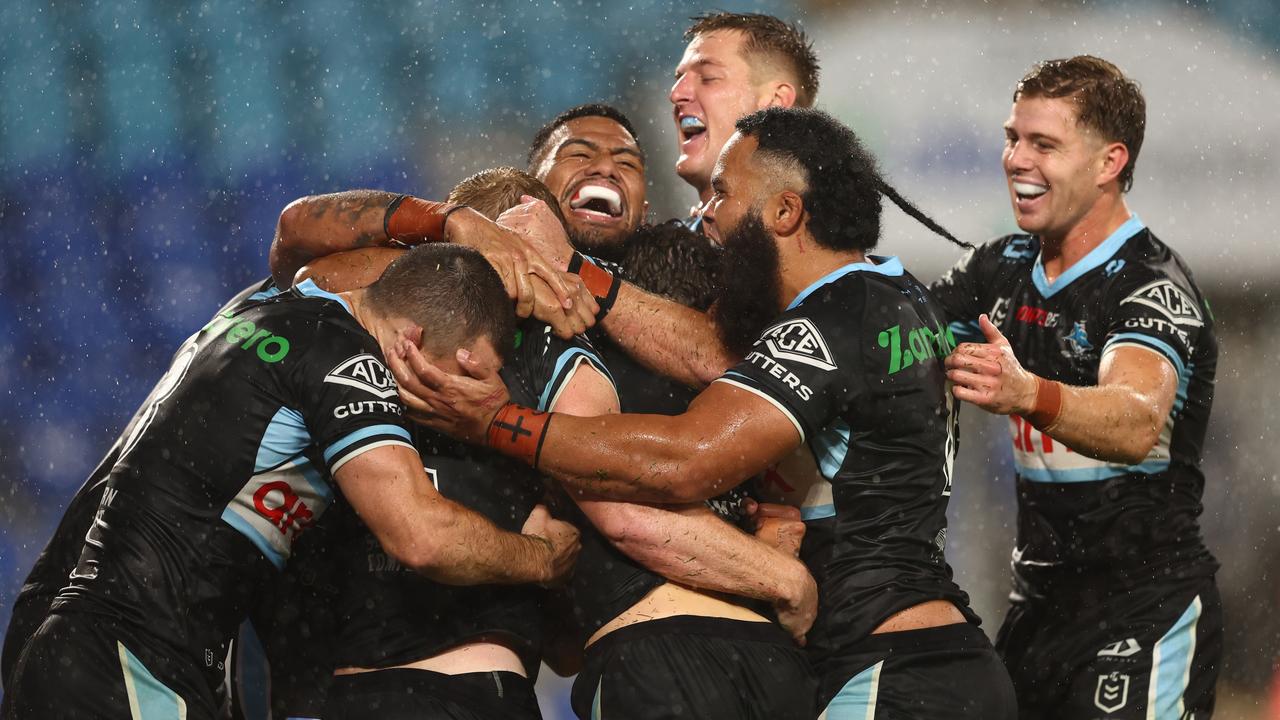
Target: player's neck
pixel 1058 252
pixel 804 268
pixel 360 309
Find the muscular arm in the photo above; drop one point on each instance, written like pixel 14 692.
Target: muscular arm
pixel 688 545
pixel 1118 420
pixel 431 534
pixel 320 225
pixel 667 337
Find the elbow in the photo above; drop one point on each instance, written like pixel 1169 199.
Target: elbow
pixel 419 554
pixel 287 226
pixel 702 475
pixel 1143 437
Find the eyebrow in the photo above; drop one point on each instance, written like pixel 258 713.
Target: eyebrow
pixel 596 147
pixel 697 64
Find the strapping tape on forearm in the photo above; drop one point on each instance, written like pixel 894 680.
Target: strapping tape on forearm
pixel 519 431
pixel 602 284
pixel 1048 404
pixel 412 220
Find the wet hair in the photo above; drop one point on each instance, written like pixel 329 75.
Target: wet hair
pixel 1107 102
pixel 673 261
pixel 841 184
pixel 452 292
pixel 538 147
pixel 769 40
pixel 494 191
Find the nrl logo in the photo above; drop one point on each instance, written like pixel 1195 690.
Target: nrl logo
pixel 1170 300
pixel 800 341
pixel 1112 692
pixel 366 372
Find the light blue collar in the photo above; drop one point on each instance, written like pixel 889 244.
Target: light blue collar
pixel 310 289
pixel 1096 257
pixel 885 265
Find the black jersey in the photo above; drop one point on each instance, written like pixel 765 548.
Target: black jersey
pixel 227 462
pixel 855 363
pixel 390 615
pixel 1075 512
pixel 52 568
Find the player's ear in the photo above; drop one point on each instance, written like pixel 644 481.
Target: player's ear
pixel 786 213
pixel 1114 157
pixel 778 93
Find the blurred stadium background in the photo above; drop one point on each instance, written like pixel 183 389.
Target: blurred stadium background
pixel 146 148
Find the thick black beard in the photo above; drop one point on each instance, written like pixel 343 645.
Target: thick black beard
pixel 598 244
pixel 748 285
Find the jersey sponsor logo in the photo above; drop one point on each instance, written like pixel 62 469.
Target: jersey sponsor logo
pixel 1170 300
pixel 271 348
pixel 1121 649
pixel 1037 316
pixel 1159 325
pixel 365 372
pixel 282 507
pixel 919 344
pixel 780 371
pixel 800 341
pixel 277 506
pixel 366 406
pixel 1112 692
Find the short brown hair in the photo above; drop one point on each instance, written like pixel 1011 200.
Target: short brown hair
pixel 1107 102
pixel 496 190
pixel 452 292
pixel 770 39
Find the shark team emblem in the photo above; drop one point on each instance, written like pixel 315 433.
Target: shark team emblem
pixel 1112 693
pixel 800 341
pixel 366 372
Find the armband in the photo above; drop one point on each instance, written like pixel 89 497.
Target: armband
pixel 519 431
pixel 412 220
pixel 602 284
pixel 1048 404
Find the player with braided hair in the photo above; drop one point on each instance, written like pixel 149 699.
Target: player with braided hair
pixel 842 394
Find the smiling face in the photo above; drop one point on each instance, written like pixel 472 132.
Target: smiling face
pixel 714 88
pixel 1055 168
pixel 596 170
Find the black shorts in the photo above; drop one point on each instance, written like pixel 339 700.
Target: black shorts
pixel 695 667
pixel 409 694
pixel 75 667
pixel 1111 654
pixel 942 672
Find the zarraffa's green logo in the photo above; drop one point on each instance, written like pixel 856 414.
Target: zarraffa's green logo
pixel 270 347
pixel 920 344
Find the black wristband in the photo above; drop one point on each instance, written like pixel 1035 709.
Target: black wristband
pixel 602 284
pixel 391 210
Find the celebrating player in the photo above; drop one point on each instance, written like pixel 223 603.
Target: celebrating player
pixel 406 646
pixel 734 65
pixel 224 467
pixel 845 367
pixel 1091 335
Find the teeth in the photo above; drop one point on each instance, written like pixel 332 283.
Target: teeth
pixel 690 123
pixel 1030 189
pixel 587 193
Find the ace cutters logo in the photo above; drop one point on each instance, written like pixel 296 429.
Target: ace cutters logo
pixel 800 341
pixel 1170 300
pixel 366 372
pixel 1112 693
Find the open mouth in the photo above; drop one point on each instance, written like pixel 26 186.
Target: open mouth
pixel 597 201
pixel 1029 191
pixel 691 127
